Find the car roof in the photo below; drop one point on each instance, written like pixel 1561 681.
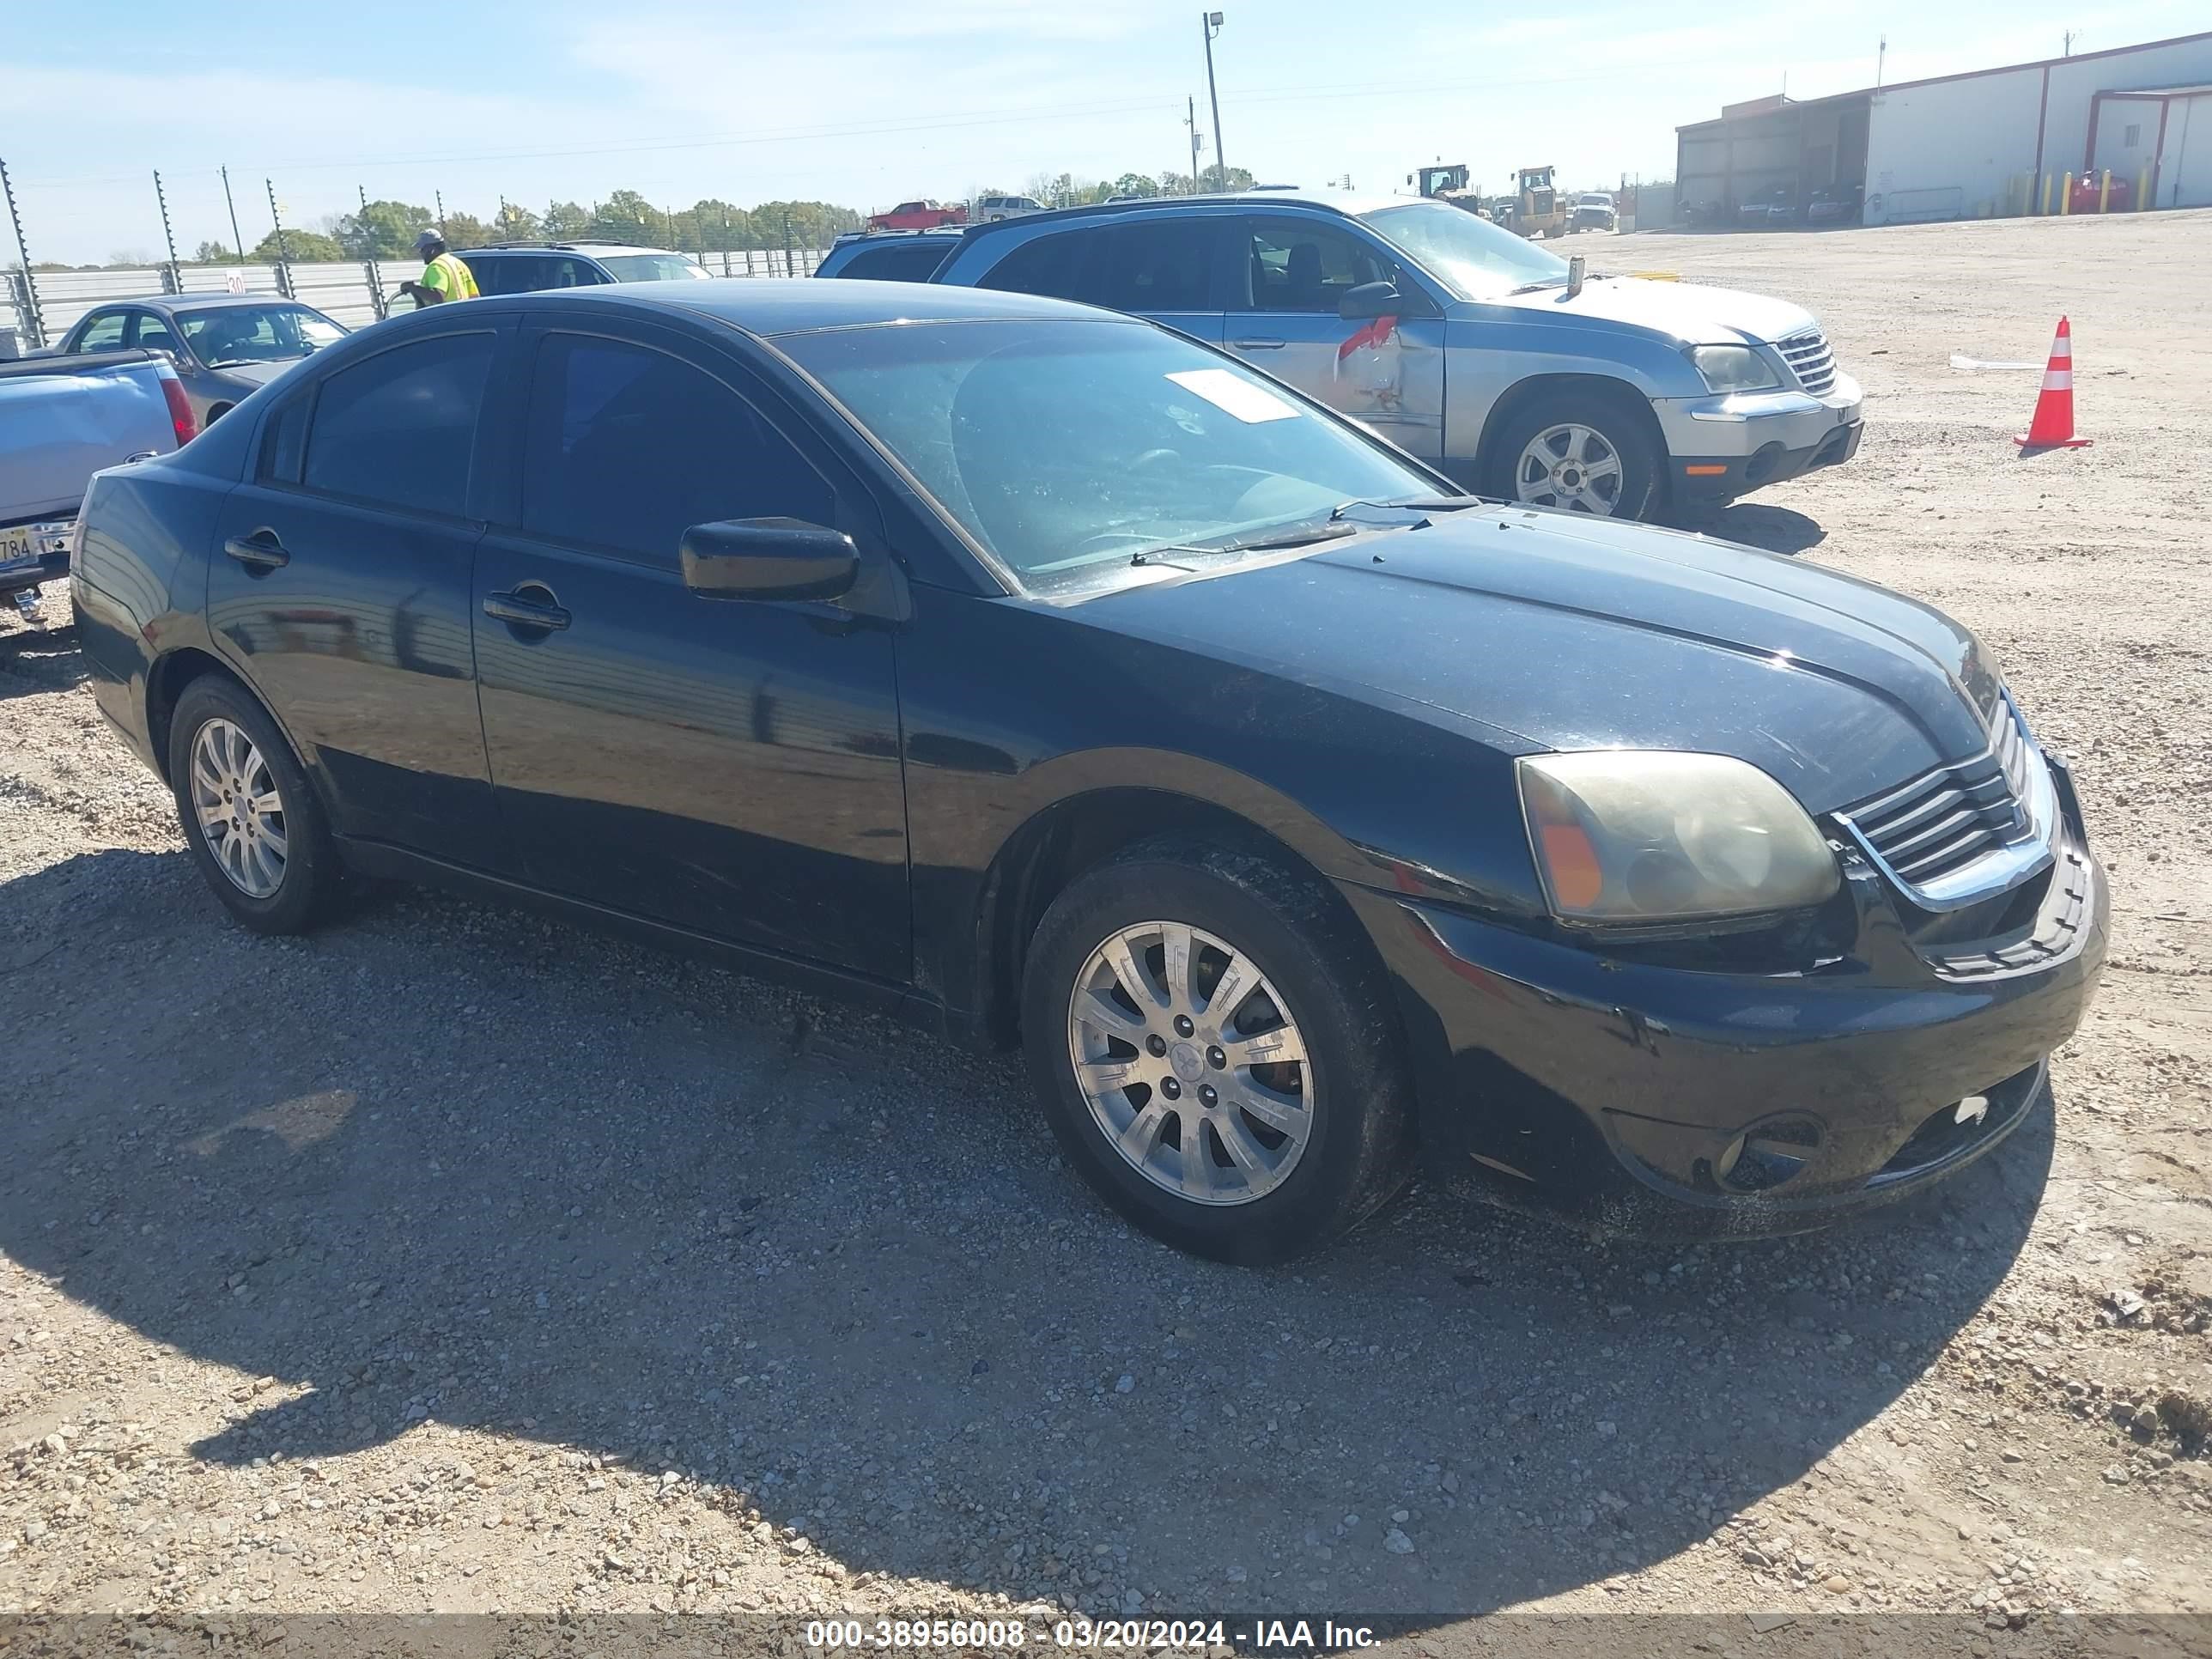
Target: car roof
pixel 1349 203
pixel 202 301
pixel 588 249
pixel 769 305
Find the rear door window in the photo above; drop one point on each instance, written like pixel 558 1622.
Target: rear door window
pixel 399 428
pixel 1158 264
pixel 510 273
pixel 626 447
pixel 103 333
pixel 1057 266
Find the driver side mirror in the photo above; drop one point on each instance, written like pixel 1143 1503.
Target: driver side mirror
pixel 768 559
pixel 1370 300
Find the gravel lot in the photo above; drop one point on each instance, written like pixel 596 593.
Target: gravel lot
pixel 457 1260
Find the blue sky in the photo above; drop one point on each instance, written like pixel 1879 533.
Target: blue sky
pixel 865 102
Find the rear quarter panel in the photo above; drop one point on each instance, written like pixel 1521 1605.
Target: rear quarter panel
pixel 139 582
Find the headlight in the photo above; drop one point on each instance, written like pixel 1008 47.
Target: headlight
pixel 1645 835
pixel 1734 368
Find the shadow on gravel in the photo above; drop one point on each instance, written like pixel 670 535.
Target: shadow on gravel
pixel 41 659
pixel 463 1165
pixel 1754 523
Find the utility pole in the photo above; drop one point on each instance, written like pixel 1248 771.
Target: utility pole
pixel 232 204
pixel 33 316
pixel 172 276
pixel 1881 52
pixel 1190 120
pixel 2066 44
pixel 1212 21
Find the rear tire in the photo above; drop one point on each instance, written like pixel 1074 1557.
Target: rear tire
pixel 1336 1141
pixel 254 827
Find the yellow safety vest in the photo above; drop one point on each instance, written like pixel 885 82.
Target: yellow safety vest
pixel 450 277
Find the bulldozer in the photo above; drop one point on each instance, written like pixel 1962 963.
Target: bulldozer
pixel 1448 182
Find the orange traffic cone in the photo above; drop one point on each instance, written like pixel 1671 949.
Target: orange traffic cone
pixel 2051 427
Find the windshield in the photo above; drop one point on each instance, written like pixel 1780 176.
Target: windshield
pixel 651 267
pixel 257 334
pixel 1472 257
pixel 1068 448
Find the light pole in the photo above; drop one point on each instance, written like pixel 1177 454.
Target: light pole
pixel 1213 19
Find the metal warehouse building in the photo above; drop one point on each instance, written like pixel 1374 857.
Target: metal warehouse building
pixel 1965 146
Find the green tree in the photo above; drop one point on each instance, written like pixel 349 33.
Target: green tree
pixel 563 222
pixel 517 223
pixel 463 230
pixel 214 253
pixel 1135 184
pixel 306 247
pixel 627 216
pixel 382 230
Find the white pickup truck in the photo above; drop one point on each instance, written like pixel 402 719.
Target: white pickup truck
pixel 62 419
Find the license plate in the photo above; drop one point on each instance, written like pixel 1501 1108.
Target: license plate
pixel 18 546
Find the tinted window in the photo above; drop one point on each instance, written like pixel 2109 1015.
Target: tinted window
pixel 896 261
pixel 627 447
pixel 282 441
pixel 399 428
pixel 103 332
pixel 511 273
pixel 1050 265
pixel 1157 264
pixel 1296 266
pixel 223 335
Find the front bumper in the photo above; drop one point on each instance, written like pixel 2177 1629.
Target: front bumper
pixel 1721 447
pixel 1671 1101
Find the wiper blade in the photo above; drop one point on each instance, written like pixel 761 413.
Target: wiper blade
pixel 1410 504
pixel 1299 535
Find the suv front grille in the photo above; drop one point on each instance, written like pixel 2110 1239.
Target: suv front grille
pixel 1964 831
pixel 1810 360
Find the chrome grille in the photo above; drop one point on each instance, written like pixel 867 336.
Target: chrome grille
pixel 1810 360
pixel 1966 830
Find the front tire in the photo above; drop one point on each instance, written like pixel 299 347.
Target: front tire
pixel 254 826
pixel 1215 1051
pixel 1580 452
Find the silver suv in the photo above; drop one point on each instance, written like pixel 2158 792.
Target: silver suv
pixel 1461 342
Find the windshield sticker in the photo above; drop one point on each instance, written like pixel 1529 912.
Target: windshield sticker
pixel 1234 395
pixel 1369 366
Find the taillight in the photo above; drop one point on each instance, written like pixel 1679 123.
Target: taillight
pixel 181 408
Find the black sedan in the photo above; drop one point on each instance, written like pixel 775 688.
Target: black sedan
pixel 1044 676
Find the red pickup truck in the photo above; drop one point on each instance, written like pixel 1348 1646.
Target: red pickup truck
pixel 918 215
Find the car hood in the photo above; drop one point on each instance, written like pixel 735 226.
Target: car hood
pixel 1561 632
pixel 1690 312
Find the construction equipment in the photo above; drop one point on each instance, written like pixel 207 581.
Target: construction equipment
pixel 1445 182
pixel 1536 210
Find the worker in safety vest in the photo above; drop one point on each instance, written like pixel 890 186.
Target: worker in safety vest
pixel 444 277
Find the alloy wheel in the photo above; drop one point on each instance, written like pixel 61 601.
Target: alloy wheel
pixel 1569 466
pixel 239 808
pixel 1193 1067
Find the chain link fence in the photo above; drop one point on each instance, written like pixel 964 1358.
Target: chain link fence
pixel 40 306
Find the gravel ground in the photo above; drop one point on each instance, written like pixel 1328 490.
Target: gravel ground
pixel 457 1260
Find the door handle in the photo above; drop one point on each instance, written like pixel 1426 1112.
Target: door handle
pixel 259 552
pixel 519 612
pixel 1255 346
